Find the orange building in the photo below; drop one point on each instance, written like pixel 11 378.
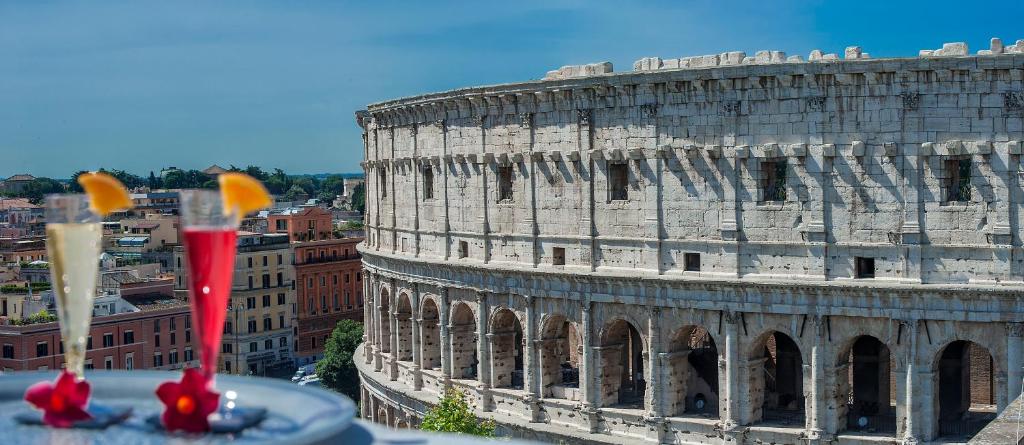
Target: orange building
pixel 328 288
pixel 301 223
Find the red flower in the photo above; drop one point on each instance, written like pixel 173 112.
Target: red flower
pixel 188 403
pixel 63 401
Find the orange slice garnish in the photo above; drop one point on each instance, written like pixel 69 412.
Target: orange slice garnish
pixel 242 193
pixel 106 194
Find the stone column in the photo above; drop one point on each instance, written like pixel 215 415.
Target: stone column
pixel 369 326
pixel 378 356
pixel 530 362
pixel 483 217
pixel 589 374
pixel 394 199
pixel 587 229
pixel 447 176
pixel 1014 360
pixel 446 338
pixel 416 175
pixel 816 405
pixel 483 347
pixel 530 223
pixel 913 391
pixel 910 235
pixel 417 335
pixel 730 165
pixel 393 319
pixel 729 379
pixel 654 392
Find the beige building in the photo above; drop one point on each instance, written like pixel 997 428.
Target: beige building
pixel 722 249
pixel 258 332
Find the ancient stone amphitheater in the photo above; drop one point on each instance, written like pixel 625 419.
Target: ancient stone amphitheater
pixel 715 249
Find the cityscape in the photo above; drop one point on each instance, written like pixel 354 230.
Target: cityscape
pixel 535 222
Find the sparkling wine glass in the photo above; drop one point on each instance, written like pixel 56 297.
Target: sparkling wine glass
pixel 73 234
pixel 210 238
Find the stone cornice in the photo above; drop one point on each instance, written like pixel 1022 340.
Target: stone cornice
pixel 602 90
pixel 931 301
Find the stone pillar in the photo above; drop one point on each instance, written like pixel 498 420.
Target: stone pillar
pixel 910 235
pixel 814 384
pixel 369 326
pixel 446 338
pixel 590 380
pixel 913 391
pixel 654 392
pixel 444 184
pixel 378 346
pixel 417 335
pixel 394 200
pixel 530 362
pixel 730 164
pixel 483 348
pixel 416 175
pixel 729 409
pixel 584 137
pixel 530 223
pixel 1014 360
pixel 393 320
pixel 485 226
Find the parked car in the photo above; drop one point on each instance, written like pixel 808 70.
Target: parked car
pixel 314 382
pixel 304 371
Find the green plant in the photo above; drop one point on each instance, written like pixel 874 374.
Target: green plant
pixel 39 317
pixel 337 370
pixel 453 415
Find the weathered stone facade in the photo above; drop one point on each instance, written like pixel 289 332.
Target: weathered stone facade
pixel 717 253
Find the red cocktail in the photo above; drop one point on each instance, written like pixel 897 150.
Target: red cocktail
pixel 210 253
pixel 209 234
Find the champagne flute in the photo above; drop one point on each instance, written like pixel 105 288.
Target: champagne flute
pixel 210 238
pixel 73 234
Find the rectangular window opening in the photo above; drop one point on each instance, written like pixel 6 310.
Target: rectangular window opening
pixel 691 262
pixel 428 182
pixel 958 180
pixel 618 181
pixel 773 180
pixel 463 249
pixel 505 184
pixel 558 256
pixel 865 267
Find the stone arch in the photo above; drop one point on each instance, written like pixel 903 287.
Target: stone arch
pixel 775 380
pixel 403 317
pixel 430 342
pixel 385 321
pixel 622 363
pixel 691 380
pixel 560 358
pixel 964 388
pixel 506 337
pixel 382 416
pixel 463 342
pixel 866 386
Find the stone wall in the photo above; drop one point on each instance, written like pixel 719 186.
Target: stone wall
pixel 762 200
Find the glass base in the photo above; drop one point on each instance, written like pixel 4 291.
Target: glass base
pixel 240 419
pixel 102 417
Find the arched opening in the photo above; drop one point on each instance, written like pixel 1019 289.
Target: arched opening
pixel 463 338
pixel 691 384
pixel 776 375
pixel 506 350
pixel 382 416
pixel 404 325
pixel 866 387
pixel 560 359
pixel 431 340
pixel 622 366
pixel 966 389
pixel 385 322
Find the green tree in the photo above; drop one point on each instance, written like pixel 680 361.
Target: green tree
pixel 306 184
pixel 453 415
pixel 154 181
pixel 337 370
pixel 293 193
pixel 359 198
pixel 40 187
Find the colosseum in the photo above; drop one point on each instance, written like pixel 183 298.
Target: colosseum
pixel 715 249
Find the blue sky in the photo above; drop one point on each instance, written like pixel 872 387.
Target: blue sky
pixel 137 85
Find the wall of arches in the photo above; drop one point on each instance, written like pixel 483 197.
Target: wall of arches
pixel 660 372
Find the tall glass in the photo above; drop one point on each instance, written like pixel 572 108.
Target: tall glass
pixel 210 237
pixel 73 234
